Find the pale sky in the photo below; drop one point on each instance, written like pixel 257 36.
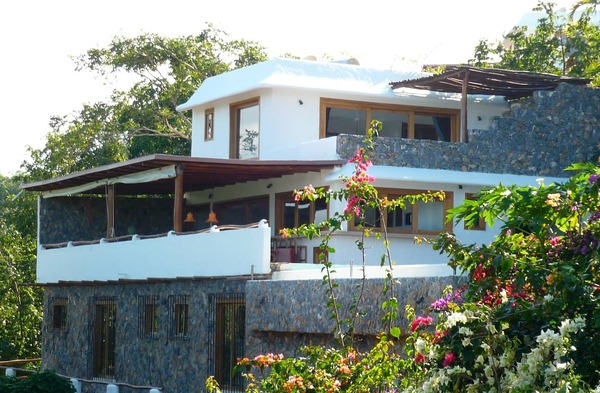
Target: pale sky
pixel 37 38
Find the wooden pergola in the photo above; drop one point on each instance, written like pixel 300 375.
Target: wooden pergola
pixel 487 81
pixel 183 174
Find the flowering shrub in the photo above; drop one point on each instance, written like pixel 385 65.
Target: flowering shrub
pixel 526 317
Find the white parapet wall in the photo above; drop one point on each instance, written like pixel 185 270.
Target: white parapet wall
pixel 209 254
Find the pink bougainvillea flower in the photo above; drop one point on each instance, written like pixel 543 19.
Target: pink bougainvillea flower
pixel 420 321
pixel 448 359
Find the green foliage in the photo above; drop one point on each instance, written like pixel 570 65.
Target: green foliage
pixel 526 317
pixel 20 298
pixel 39 382
pixel 559 44
pixel 164 72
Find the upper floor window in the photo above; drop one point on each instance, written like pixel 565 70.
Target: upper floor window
pixel 245 129
pixel 353 117
pixel 209 118
pixel 291 213
pixel 418 218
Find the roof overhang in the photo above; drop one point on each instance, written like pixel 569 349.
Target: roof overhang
pixel 489 81
pixel 198 174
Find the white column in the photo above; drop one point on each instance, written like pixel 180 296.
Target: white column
pixel 76 384
pixel 110 388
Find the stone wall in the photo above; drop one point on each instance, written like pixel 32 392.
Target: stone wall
pixel 539 136
pixel 177 365
pixel 284 315
pixel 84 218
pixel 281 316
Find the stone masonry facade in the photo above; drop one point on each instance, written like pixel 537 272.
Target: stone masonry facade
pixel 538 136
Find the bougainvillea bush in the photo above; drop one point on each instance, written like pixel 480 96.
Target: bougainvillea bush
pixel 526 317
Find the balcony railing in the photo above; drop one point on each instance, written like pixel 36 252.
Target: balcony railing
pixel 219 251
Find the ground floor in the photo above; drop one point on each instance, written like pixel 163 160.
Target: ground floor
pixel 173 334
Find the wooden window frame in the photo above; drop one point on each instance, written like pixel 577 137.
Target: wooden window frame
pixel 393 193
pixel 480 226
pixel 209 124
pixel 369 107
pixel 234 123
pixel 281 198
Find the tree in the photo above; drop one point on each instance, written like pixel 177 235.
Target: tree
pixel 143 119
pixel 559 44
pixel 20 299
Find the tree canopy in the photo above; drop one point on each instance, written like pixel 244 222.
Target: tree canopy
pixel 561 43
pixel 140 120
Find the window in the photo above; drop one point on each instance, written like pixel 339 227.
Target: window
pixel 227 339
pixel 59 314
pixel 480 225
pixel 418 218
pixel 291 213
pixel 245 130
pixel 104 337
pixel 179 316
pixel 353 117
pixel 209 115
pixel 148 316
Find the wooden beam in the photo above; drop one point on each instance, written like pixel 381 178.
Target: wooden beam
pixel 110 211
pixel 178 203
pixel 463 109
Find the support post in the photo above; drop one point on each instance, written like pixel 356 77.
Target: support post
pixel 110 211
pixel 178 203
pixel 463 111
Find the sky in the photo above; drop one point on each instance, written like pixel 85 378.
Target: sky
pixel 39 37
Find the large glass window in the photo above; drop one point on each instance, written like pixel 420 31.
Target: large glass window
pixel 291 213
pixel 418 218
pixel 354 117
pixel 245 129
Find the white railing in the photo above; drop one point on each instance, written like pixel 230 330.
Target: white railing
pixel 220 251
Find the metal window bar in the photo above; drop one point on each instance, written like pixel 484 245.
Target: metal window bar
pixel 226 338
pixel 148 316
pixel 179 306
pixel 103 333
pixel 58 308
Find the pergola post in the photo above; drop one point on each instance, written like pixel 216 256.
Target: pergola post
pixel 110 211
pixel 178 203
pixel 463 109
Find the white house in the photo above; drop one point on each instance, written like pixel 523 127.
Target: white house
pixel 153 275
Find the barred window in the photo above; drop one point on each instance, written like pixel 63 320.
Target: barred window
pixel 104 338
pixel 148 316
pixel 59 313
pixel 227 336
pixel 178 316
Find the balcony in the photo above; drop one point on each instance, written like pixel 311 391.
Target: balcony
pixel 218 251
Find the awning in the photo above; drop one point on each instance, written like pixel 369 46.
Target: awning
pixel 153 174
